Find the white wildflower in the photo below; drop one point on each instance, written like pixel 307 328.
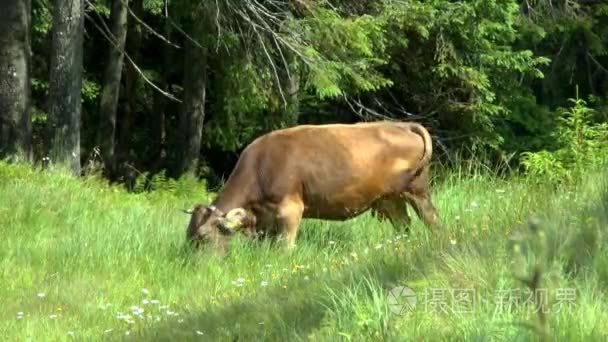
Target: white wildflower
pixel 145 291
pixel 71 333
pixel 264 283
pixel 53 316
pixel 198 332
pixel 239 282
pixel 332 242
pixel 145 302
pixel 474 204
pixel 137 310
pixel 154 301
pixel 41 295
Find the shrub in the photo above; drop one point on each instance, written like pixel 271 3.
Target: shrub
pixel 582 145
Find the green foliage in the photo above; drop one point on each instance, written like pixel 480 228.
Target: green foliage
pixel 574 34
pixel 41 19
pixel 341 54
pixel 243 95
pixel 461 67
pixel 582 145
pixel 90 90
pixel 159 186
pixel 155 7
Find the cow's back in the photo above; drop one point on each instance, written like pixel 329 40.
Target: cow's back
pixel 338 169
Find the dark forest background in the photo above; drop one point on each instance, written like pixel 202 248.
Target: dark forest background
pixel 149 87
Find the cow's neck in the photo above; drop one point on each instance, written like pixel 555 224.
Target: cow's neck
pixel 230 198
pixel 240 190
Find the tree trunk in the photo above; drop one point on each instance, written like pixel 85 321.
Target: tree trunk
pixel 291 89
pixel 15 93
pixel 159 128
pixel 193 107
pixel 65 84
pixel 111 84
pixel 134 38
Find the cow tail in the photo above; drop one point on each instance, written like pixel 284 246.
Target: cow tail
pixel 428 144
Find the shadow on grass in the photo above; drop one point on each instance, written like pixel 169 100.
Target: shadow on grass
pixel 286 313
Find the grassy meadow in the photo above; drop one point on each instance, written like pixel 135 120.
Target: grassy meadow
pixel 81 260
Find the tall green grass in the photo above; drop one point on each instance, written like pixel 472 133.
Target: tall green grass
pixel 82 260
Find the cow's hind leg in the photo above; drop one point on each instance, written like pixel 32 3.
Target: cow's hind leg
pixel 418 195
pixel 289 215
pixel 395 210
pixel 424 208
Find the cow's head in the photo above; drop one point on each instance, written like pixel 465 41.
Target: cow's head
pixel 209 224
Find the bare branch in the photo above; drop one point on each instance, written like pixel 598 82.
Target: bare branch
pixel 279 50
pixel 361 108
pixel 217 23
pixel 161 37
pixel 194 41
pixel 107 34
pixel 272 64
pixel 304 58
pixel 599 65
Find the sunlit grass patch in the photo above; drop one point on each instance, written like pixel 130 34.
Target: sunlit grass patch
pixel 84 260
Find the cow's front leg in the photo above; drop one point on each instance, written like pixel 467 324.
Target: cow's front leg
pixel 289 215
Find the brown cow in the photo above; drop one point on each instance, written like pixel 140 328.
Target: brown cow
pixel 332 172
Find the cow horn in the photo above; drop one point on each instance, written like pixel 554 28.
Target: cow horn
pixel 237 214
pixel 187 211
pixel 232 221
